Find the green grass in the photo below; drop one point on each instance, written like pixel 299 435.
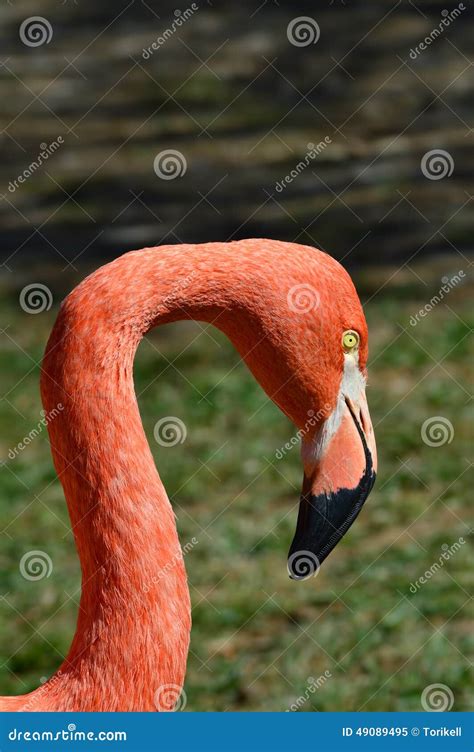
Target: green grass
pixel 257 636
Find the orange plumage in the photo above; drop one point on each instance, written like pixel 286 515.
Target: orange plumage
pixel 133 625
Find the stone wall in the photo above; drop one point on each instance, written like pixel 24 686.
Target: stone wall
pixel 311 131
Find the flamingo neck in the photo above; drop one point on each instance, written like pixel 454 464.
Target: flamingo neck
pixel 133 626
pixel 134 621
pixel 134 618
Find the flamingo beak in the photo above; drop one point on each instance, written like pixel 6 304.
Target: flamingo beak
pixel 335 486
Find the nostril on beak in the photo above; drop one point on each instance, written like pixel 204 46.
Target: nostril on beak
pixel 363 420
pixel 360 414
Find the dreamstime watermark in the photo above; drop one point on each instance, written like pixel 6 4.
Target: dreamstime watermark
pixel 170 698
pixel 314 150
pixel 36 31
pixel 35 565
pixel 174 293
pixel 448 553
pixel 447 18
pixel 69 734
pixel 302 565
pixel 46 686
pixel 437 698
pixel 36 298
pixel 312 687
pixel 448 284
pixel 180 18
pixel 164 571
pixel 303 298
pixel 303 31
pixel 47 150
pixel 312 420
pixel 437 431
pixel 170 164
pixel 437 164
pixel 35 432
pixel 170 431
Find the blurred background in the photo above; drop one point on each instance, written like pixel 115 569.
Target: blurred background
pixel 342 125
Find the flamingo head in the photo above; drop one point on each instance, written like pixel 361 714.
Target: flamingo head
pixel 337 439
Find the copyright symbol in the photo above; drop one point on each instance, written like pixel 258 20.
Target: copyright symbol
pixel 415 731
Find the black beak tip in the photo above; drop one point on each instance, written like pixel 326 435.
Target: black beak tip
pixel 302 564
pixel 322 521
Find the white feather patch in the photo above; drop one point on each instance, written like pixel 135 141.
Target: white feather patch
pixel 352 386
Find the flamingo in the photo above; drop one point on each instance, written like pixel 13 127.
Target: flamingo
pixel 294 316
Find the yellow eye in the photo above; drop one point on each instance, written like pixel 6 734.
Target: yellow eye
pixel 350 340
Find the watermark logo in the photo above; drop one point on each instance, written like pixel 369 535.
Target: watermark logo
pixel 437 698
pixel 170 164
pixel 447 286
pixel 170 431
pixel 36 298
pixel 169 566
pixel 170 698
pixel 45 420
pixel 302 565
pixel 180 18
pixel 447 18
pixel 47 685
pixel 302 298
pixel 312 421
pixel 303 31
pixel 314 150
pixel 69 733
pixel 312 686
pixel 448 552
pixel 437 164
pixel 46 151
pixel 437 431
pixel 35 565
pixel 36 31
pixel 177 289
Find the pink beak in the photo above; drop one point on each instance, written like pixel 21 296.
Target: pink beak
pixel 335 487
